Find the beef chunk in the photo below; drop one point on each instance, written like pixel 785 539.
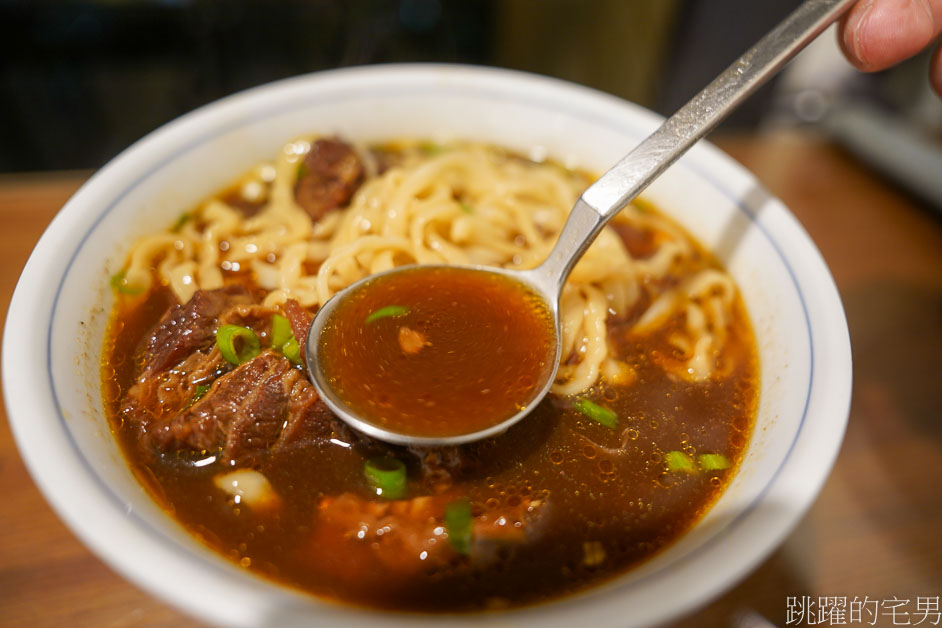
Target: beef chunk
pixel 244 413
pixel 164 394
pixel 187 398
pixel 364 538
pixel 305 411
pixel 399 539
pixel 188 328
pixel 300 320
pixel 327 178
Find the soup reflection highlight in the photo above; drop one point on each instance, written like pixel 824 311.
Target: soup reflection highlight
pixel 206 390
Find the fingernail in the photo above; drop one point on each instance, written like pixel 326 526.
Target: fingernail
pixel 857 24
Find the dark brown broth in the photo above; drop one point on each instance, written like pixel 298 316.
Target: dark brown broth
pixel 464 350
pixel 626 502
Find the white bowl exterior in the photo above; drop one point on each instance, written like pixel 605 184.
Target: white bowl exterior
pixel 63 301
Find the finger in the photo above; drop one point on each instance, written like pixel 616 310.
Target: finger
pixel 876 34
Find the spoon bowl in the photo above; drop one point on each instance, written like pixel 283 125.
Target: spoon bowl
pixel 461 420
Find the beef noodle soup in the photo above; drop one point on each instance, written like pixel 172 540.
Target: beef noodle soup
pixel 206 392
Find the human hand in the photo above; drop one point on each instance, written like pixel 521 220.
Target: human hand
pixel 876 34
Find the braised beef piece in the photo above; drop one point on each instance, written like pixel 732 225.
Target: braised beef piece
pixel 399 539
pixel 187 398
pixel 309 421
pixel 363 538
pixel 189 327
pixel 327 178
pixel 243 413
pixel 300 320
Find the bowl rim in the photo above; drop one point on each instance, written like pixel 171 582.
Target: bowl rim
pixel 819 443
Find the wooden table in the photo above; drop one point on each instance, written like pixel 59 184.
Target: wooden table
pixel 875 529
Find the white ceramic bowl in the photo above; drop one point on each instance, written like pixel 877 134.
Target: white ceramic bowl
pixel 54 331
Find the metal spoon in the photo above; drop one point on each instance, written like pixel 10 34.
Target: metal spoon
pixel 603 199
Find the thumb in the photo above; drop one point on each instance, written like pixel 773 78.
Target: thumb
pixel 876 34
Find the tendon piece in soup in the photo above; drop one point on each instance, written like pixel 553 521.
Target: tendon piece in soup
pixel 438 351
pixel 204 383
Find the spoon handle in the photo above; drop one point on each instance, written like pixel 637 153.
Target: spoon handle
pixel 626 179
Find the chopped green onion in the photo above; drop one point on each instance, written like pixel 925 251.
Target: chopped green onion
pixel 283 338
pixel 713 462
pixel 431 148
pixel 679 461
pixel 292 350
pixel 597 413
pixel 228 336
pixel 458 525
pixel 120 283
pixel 302 171
pixel 201 390
pixel 280 331
pixel 387 475
pixel 643 206
pixel 182 219
pixel 390 311
pixel 465 207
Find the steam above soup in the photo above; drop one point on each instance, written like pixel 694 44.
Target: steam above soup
pixel 205 389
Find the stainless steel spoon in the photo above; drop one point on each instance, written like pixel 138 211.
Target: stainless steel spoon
pixel 603 199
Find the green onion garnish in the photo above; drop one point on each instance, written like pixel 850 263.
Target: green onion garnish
pixel 182 219
pixel 283 338
pixel 229 336
pixel 713 462
pixel 465 207
pixel 597 413
pixel 431 148
pixel 390 311
pixel 387 475
pixel 302 171
pixel 280 331
pixel 120 283
pixel 458 525
pixel 679 461
pixel 201 390
pixel 292 350
pixel 643 206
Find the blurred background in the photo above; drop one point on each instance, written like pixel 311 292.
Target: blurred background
pixel 81 80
